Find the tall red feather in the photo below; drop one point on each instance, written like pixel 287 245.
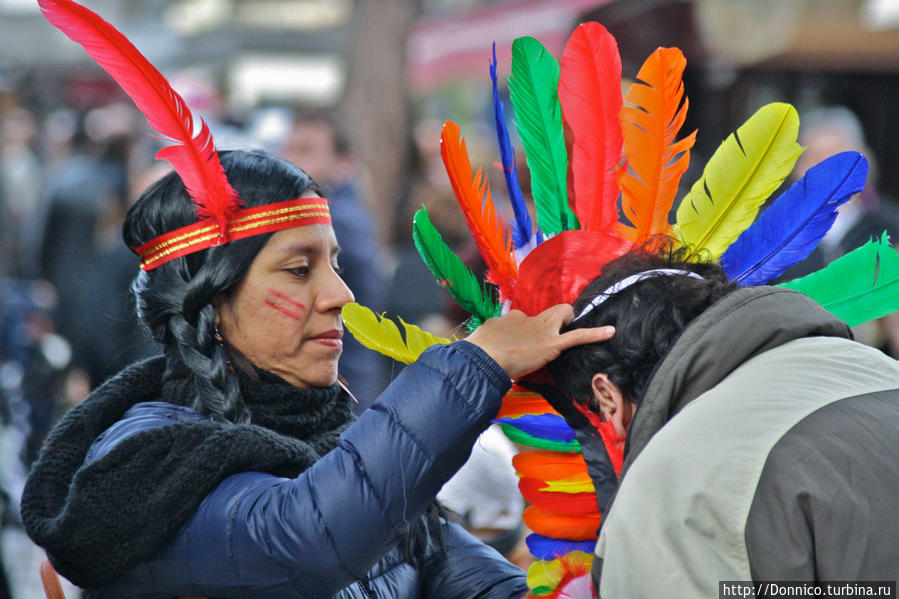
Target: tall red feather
pixel 194 158
pixel 473 193
pixel 590 94
pixel 650 122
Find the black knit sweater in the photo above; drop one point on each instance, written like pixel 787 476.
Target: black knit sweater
pixel 99 520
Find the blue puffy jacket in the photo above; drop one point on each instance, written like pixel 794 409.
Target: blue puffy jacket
pixel 333 529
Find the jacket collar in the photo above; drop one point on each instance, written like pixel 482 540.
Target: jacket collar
pixel 737 327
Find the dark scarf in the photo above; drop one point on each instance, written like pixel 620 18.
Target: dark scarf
pixel 99 521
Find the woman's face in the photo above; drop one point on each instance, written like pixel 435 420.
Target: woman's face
pixel 284 315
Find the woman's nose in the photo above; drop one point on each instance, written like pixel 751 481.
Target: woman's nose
pixel 337 294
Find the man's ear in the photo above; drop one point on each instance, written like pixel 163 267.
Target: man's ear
pixel 613 406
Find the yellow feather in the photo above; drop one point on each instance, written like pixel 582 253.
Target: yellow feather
pixel 746 168
pixel 569 485
pixel 382 335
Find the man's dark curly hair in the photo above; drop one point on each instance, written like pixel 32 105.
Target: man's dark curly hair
pixel 648 317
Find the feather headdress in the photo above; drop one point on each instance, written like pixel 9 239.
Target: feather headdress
pixel 220 213
pixel 590 151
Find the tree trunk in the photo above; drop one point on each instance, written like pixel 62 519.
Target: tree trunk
pixel 376 103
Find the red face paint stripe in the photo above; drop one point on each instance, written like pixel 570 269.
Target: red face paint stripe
pixel 283 310
pixel 283 297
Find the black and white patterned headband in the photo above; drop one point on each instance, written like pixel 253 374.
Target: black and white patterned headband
pixel 627 282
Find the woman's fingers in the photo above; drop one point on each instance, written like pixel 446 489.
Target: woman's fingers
pixel 560 313
pixel 584 336
pixel 521 344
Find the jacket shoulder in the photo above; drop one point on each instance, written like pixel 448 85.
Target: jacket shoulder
pixel 141 417
pixel 825 502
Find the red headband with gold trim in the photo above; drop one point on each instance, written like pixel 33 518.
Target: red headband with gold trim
pixel 268 218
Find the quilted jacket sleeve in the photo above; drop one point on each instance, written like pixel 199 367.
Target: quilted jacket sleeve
pixel 470 570
pixel 313 535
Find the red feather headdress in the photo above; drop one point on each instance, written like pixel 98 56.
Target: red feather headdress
pixel 220 213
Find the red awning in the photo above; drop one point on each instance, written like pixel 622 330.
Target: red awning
pixel 441 48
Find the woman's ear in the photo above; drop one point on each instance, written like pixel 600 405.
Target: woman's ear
pixel 613 406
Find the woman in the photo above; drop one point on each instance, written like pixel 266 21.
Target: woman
pixel 231 466
pixel 761 440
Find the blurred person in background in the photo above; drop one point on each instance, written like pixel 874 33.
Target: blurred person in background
pixel 35 390
pixel 7 243
pixel 21 174
pixel 79 250
pixel 317 141
pixel 82 187
pixel 412 290
pixel 824 132
pixel 828 131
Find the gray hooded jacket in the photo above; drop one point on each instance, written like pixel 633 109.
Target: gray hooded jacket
pixel 765 449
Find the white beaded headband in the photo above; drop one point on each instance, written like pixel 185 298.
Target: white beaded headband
pixel 628 281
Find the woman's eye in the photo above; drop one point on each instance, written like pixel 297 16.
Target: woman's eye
pixel 300 271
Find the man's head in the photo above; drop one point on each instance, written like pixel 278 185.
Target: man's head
pixel 317 143
pixel 648 316
pixel 830 130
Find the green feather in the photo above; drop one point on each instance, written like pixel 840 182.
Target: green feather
pixel 858 287
pixel 538 119
pixel 522 438
pixel 450 271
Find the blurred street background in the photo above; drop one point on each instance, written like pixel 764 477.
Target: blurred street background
pixel 356 93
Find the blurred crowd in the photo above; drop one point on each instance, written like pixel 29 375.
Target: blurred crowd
pixel 67 177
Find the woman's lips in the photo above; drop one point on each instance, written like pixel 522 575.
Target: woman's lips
pixel 330 338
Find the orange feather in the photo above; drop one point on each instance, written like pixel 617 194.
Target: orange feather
pixel 550 465
pixel 650 124
pixel 494 241
pixel 574 527
pixel 520 401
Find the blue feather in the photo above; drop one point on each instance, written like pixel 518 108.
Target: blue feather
pixel 548 548
pixel 788 231
pixel 521 232
pixel 545 426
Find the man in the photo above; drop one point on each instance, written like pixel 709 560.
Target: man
pixel 761 440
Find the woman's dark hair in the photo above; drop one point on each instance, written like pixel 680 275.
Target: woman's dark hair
pixel 176 300
pixel 648 317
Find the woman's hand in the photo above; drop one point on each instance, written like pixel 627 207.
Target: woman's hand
pixel 521 344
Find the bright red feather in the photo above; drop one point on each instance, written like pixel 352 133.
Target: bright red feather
pixel 590 94
pixel 194 158
pixel 494 241
pixel 614 444
pixel 650 122
pixel 568 503
pixel 558 269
